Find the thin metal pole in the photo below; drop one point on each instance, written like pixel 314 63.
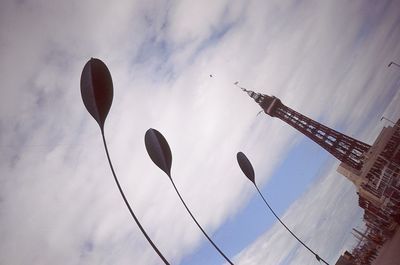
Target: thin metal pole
pixel 202 230
pixel 298 239
pixel 127 203
pixel 384 118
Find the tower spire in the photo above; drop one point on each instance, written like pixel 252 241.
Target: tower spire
pixel 345 148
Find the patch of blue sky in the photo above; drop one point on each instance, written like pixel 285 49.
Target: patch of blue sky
pixel 292 254
pixel 153 48
pixel 155 53
pixel 86 248
pixel 373 12
pixel 305 163
pixel 216 35
pixel 206 254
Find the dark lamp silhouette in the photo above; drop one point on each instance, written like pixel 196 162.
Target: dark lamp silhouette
pixel 97 96
pixel 97 90
pixel 158 149
pixel 247 168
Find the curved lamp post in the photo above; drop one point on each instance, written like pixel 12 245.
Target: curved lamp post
pixel 158 149
pixel 97 96
pixel 248 170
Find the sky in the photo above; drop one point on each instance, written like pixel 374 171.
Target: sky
pixel 58 201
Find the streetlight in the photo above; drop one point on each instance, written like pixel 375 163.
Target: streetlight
pixel 248 170
pixel 97 96
pixel 158 149
pixel 393 64
pixel 394 124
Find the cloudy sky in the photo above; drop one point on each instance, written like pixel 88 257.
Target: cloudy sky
pixel 58 201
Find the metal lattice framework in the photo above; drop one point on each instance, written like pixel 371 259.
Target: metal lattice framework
pixel 347 149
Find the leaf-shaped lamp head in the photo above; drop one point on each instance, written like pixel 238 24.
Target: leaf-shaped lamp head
pixel 97 90
pixel 158 149
pixel 246 166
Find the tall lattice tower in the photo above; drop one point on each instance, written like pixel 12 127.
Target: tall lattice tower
pixel 347 149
